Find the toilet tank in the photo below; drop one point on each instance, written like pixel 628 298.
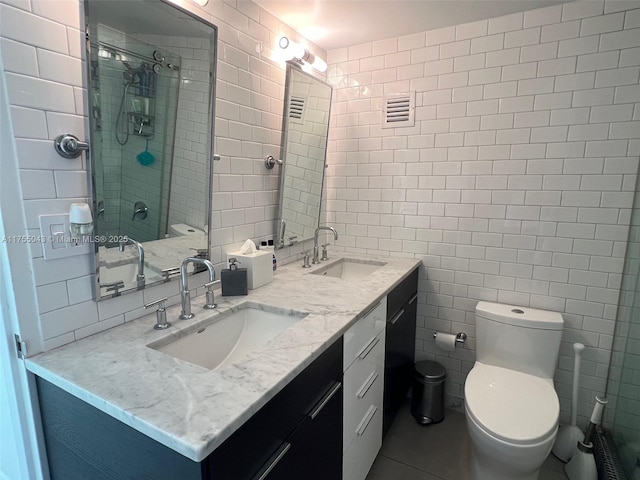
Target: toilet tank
pixel 182 229
pixel 518 338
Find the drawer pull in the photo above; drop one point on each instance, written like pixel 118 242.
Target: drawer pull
pixel 366 350
pixel 397 316
pixel 367 385
pixel 328 396
pixel 366 420
pixel 273 461
pixel 370 309
pixel 413 299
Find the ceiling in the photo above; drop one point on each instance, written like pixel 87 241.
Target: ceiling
pixel 339 23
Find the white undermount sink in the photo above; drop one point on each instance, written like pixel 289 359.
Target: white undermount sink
pixel 227 337
pixel 349 268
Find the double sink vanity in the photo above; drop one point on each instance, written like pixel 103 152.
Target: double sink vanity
pixel 294 380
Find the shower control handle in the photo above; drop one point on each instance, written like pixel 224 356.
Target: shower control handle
pixel 140 210
pixel 69 146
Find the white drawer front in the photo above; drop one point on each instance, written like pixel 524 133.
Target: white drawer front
pixel 357 460
pixel 363 387
pixel 361 335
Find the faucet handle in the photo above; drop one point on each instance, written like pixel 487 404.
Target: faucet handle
pixel 140 209
pixel 167 272
pixel 161 314
pixel 210 301
pixel 113 287
pixel 201 252
pixel 305 263
pixel 324 252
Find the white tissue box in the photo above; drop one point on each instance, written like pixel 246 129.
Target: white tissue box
pixel 259 266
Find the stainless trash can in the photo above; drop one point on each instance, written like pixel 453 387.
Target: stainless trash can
pixel 427 402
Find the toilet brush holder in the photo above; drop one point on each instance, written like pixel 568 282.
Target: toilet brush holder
pixel 565 444
pixel 582 465
pixel 570 435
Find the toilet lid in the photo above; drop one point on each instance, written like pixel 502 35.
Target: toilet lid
pixel 513 406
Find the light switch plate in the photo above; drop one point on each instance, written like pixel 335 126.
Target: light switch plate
pixel 56 238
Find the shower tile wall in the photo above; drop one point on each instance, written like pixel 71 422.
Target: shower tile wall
pixel 110 90
pixel 42 52
pixel 190 169
pixel 140 182
pixel 124 180
pixel 515 185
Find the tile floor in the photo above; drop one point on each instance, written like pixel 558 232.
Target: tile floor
pixel 437 452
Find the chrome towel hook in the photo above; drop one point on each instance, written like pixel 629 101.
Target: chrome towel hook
pixel 69 146
pixel 271 162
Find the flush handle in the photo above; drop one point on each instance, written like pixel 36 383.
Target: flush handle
pixel 69 146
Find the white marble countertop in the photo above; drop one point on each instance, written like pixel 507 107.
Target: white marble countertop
pixel 189 408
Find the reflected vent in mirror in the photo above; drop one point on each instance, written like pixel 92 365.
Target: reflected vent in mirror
pixel 296 109
pixel 399 110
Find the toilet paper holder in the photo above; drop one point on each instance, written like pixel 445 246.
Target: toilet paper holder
pixel 460 337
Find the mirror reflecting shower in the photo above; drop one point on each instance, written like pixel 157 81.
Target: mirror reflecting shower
pixel 135 88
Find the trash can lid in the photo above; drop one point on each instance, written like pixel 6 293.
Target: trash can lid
pixel 429 369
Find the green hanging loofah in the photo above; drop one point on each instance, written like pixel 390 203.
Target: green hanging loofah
pixel 146 158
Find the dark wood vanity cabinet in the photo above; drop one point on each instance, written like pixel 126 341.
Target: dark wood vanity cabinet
pixel 84 443
pixel 297 434
pixel 400 345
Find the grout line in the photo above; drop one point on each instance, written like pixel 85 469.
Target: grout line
pixel 411 466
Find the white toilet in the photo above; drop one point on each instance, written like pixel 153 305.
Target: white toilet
pixel 511 406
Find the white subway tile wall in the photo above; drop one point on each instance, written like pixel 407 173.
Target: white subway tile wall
pixel 47 99
pixel 515 185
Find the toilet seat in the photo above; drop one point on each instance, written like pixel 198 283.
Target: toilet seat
pixel 515 407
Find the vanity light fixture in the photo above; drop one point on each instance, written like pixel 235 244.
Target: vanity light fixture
pixel 202 3
pixel 295 51
pixel 80 219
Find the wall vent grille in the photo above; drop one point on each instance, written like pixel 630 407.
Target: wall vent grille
pixel 296 109
pixel 399 110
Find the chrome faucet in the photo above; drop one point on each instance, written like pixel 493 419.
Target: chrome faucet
pixel 131 241
pixel 185 294
pixel 315 241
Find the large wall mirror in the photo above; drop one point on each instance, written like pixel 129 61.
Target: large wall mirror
pixel 305 128
pixel 151 95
